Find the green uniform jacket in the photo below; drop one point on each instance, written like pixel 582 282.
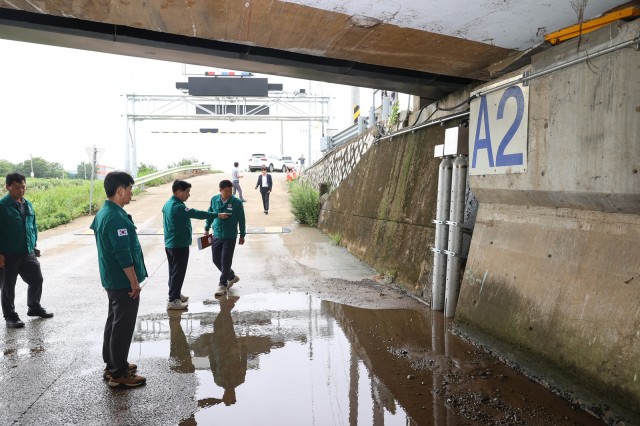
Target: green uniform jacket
pixel 177 222
pixel 17 235
pixel 226 229
pixel 118 246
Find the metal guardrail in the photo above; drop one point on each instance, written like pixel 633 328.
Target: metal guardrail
pixel 144 179
pixel 348 133
pixel 344 136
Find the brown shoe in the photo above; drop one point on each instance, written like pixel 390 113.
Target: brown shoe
pixel 128 380
pixel 131 369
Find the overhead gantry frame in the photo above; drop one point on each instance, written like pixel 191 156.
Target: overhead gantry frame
pixel 195 108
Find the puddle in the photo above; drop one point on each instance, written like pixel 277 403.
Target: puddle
pixel 297 359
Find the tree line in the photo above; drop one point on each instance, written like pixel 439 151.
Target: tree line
pixel 45 169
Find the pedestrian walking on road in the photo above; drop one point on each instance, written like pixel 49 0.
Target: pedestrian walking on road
pixel 229 217
pixel 18 252
pixel 122 270
pixel 301 162
pixel 235 179
pixel 177 239
pixel 265 183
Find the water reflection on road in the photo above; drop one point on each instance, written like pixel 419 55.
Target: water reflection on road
pixel 296 359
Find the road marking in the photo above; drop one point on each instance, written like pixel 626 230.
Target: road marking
pixel 200 231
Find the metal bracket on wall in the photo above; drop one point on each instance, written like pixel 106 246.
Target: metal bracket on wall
pixel 465 229
pixel 525 78
pixel 453 254
pixel 438 222
pixel 437 251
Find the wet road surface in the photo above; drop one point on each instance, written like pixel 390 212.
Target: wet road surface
pixel 307 337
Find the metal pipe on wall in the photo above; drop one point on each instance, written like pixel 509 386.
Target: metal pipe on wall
pixel 386 107
pixel 455 222
pixel 442 215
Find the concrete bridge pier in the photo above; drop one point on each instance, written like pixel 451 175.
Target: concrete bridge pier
pixel 554 268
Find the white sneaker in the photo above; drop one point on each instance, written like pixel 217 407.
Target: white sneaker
pixel 221 291
pixel 183 298
pixel 177 304
pixel 232 281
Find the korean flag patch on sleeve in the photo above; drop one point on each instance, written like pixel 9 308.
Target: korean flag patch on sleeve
pixel 122 232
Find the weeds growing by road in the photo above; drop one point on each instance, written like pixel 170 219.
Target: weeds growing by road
pixel 59 201
pixel 304 202
pixel 336 238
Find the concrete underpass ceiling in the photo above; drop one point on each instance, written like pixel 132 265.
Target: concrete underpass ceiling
pixel 423 47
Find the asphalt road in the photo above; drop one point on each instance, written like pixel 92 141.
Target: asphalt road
pixel 307 337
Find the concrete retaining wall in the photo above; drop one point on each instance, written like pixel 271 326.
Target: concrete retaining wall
pixel 384 206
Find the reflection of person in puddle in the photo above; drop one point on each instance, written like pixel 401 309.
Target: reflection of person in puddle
pixel 179 349
pixel 227 356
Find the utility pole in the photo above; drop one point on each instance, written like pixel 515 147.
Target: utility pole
pixel 281 138
pixel 94 154
pixel 93 168
pixel 309 129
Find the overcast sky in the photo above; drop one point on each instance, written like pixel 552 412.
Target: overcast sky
pixel 56 102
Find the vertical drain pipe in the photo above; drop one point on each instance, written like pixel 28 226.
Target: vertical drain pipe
pixel 442 215
pixel 455 222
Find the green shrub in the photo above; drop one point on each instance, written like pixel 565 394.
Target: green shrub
pixel 184 162
pixel 395 113
pixel 336 238
pixel 304 202
pixel 147 169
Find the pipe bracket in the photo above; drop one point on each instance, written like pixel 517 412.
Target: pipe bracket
pixel 453 254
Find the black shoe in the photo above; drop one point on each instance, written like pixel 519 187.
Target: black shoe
pixel 39 312
pixel 267 212
pixel 14 323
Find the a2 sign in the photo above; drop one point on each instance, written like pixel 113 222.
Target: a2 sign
pixel 498 127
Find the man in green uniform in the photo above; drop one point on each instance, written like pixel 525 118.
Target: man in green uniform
pixel 229 216
pixel 177 239
pixel 121 271
pixel 18 253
